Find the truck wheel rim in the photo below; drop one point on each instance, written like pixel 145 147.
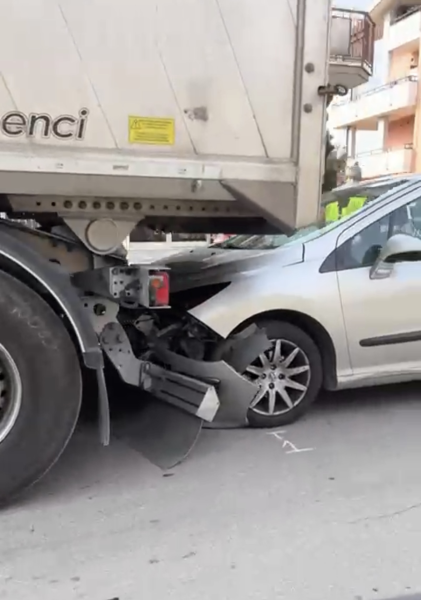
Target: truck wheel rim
pixel 283 374
pixel 10 393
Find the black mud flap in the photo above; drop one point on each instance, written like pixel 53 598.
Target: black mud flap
pixel 162 433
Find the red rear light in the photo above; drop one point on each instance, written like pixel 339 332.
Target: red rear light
pixel 159 289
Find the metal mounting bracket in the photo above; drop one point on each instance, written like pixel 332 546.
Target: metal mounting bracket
pixel 103 235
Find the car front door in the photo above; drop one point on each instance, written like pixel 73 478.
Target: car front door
pixel 382 317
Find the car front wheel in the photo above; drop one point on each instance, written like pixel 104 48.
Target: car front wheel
pixel 289 375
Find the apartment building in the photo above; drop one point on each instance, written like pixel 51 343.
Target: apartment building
pixel 391 107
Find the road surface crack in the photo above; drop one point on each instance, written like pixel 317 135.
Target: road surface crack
pixel 396 513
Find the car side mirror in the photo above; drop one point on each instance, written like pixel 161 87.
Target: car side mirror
pixel 398 248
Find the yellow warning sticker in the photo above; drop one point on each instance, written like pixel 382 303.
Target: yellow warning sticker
pixel 151 130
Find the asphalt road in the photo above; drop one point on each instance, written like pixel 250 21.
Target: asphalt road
pixel 328 509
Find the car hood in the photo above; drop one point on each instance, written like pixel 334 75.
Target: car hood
pixel 207 266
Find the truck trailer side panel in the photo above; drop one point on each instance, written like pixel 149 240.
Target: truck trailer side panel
pixel 173 99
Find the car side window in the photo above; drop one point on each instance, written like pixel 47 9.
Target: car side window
pixel 363 248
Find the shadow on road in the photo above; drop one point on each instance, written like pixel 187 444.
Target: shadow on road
pixel 86 465
pixel 372 398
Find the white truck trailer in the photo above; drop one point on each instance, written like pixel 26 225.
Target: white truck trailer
pixel 184 115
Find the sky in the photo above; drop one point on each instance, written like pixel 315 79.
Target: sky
pixel 356 4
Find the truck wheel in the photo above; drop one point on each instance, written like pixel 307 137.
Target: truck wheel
pixel 289 375
pixel 40 387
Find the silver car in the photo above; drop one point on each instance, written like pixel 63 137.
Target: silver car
pixel 339 303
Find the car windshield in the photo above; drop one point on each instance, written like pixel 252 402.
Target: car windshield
pixel 305 234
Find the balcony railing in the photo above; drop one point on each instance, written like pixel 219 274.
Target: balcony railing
pixel 398 96
pixel 405 15
pixel 405 29
pixel 390 85
pixel 386 161
pixel 352 38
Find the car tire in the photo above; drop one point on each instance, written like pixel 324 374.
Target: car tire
pixel 40 387
pixel 291 337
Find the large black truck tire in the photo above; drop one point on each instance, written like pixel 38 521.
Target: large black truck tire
pixel 40 387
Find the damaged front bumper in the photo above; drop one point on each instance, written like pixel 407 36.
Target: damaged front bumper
pixel 183 394
pixel 212 391
pixel 212 394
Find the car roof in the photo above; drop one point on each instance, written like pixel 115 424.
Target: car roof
pixel 379 185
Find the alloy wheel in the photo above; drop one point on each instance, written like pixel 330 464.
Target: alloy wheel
pixel 283 374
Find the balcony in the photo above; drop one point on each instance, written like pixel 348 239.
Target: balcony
pixel 405 31
pixel 385 162
pixel 351 48
pixel 380 8
pixel 395 99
